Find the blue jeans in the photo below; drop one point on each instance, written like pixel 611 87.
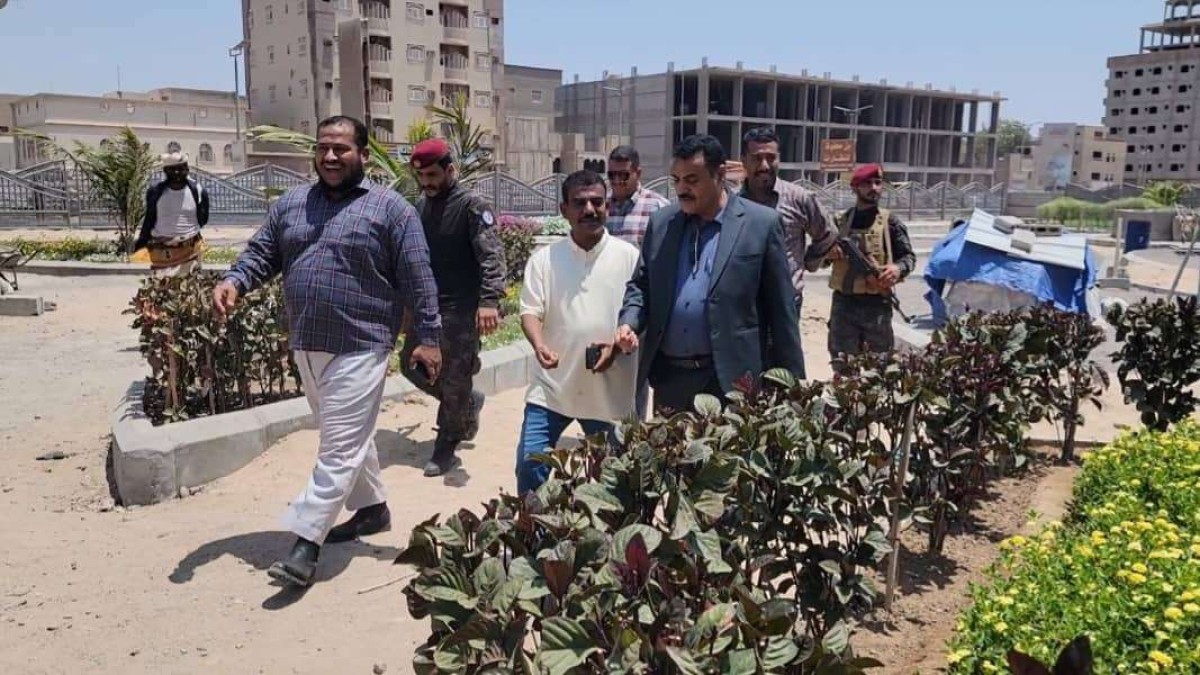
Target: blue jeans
pixel 541 430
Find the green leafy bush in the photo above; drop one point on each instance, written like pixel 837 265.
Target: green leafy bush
pixel 733 540
pixel 516 233
pixel 555 225
pixel 1159 359
pixel 70 248
pixel 1125 569
pixel 201 367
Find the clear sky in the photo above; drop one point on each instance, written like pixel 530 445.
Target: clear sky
pixel 1047 57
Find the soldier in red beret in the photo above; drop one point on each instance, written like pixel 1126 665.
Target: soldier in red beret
pixel 468 264
pixel 860 319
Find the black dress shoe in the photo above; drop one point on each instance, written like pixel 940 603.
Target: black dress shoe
pixel 298 568
pixel 365 521
pixel 444 459
pixel 477 401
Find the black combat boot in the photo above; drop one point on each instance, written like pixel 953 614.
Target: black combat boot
pixel 444 458
pixel 365 521
pixel 298 568
pixel 477 401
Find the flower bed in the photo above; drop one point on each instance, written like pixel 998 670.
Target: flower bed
pixel 1124 569
pixel 99 250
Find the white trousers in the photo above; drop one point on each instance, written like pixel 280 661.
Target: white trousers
pixel 345 392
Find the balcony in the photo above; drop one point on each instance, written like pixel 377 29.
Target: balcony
pixel 378 16
pixel 379 58
pixel 455 63
pixel 456 25
pixel 381 108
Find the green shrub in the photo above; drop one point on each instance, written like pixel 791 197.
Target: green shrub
pixel 201 367
pixel 1159 359
pixel 555 225
pixel 516 233
pixel 733 540
pixel 1125 570
pixel 70 248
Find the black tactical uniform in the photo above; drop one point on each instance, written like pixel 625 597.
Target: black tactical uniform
pixel 467 257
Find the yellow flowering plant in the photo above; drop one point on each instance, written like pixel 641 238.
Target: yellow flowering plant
pixel 1123 569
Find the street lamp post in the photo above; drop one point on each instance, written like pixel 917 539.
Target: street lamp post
pixel 235 53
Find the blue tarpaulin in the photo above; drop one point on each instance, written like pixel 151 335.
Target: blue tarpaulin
pixel 956 259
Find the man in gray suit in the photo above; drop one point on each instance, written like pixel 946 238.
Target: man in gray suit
pixel 711 299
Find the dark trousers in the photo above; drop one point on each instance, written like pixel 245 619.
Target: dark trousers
pixel 860 324
pixel 460 363
pixel 677 383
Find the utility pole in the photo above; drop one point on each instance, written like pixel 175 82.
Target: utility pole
pixel 235 53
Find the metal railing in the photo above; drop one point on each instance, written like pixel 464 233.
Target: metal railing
pixel 53 194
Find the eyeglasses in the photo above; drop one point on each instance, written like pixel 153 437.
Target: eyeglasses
pixel 619 176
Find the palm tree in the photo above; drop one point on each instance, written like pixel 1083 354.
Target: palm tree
pixel 117 173
pixel 464 137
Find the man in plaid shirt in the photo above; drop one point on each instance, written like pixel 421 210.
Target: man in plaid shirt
pixel 630 204
pixel 353 257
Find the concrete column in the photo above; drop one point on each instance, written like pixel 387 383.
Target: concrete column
pixel 1142 43
pixel 773 99
pixel 739 95
pixel 971 140
pixel 702 101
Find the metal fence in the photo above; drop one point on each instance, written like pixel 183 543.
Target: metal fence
pixel 54 194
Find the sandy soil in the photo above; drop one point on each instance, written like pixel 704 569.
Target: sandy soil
pixel 181 587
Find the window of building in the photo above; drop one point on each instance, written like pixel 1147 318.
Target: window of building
pixel 483 62
pixel 1119 74
pixel 481 20
pixel 1135 111
pixel 1095 176
pixel 227 153
pixel 1128 168
pixel 416 94
pixel 173 147
pixel 416 54
pixel 1115 112
pixel 1184 88
pixel 1130 148
pixel 270 15
pixel 1114 131
pixel 206 153
pixel 1133 130
pixel 1118 93
pixel 483 99
pixel 1139 72
pixel 1176 167
pixel 1137 92
pixel 1158 70
pixel 415 12
pixel 1151 129
pixel 270 53
pixel 1152 110
pixel 302 47
pixel 1179 128
pixel 1155 91
pixel 1097 155
pixel 1181 108
pixel 304 88
pixel 537 96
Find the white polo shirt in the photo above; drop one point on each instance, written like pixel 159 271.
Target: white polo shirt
pixel 578 295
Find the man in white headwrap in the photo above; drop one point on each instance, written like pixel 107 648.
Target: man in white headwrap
pixel 176 209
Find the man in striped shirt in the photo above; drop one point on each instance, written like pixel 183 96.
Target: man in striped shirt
pixel 353 257
pixel 630 204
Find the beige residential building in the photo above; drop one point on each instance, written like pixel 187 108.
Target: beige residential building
pixel 8 147
pixel 527 104
pixel 382 61
pixel 1077 154
pixel 1152 98
pixel 201 123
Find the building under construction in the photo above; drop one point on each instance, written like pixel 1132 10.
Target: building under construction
pixel 919 133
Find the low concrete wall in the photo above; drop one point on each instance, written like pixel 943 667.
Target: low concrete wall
pixel 152 464
pixel 70 268
pixel 21 305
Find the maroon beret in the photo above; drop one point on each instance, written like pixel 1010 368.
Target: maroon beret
pixel 865 173
pixel 429 152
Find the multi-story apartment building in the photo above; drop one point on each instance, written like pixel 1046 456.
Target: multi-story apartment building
pixel 383 61
pixel 1152 98
pixel 8 147
pixel 1077 154
pixel 201 123
pixel 923 135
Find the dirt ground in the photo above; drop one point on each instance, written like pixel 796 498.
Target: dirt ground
pixel 181 587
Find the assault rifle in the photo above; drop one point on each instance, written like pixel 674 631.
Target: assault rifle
pixel 862 266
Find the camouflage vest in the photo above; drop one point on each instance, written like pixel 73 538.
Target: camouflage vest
pixel 874 243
